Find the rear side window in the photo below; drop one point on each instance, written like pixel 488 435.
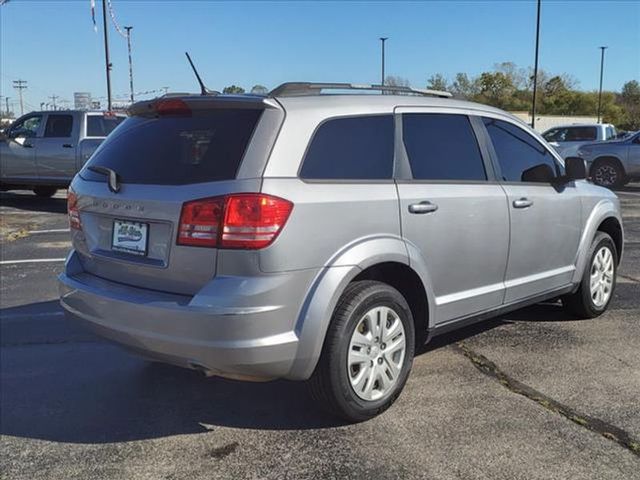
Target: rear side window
pixel 518 152
pixel 101 125
pixel 442 147
pixel 355 148
pixel 204 147
pixel 58 126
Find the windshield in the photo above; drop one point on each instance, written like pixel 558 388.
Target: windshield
pixel 176 150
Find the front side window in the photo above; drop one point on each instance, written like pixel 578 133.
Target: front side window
pixel 520 156
pixel 58 126
pixel 353 148
pixel 442 147
pixel 26 128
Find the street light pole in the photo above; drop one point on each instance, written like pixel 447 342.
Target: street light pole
pixel 106 53
pixel 128 29
pixel 535 69
pixel 601 75
pixel 383 39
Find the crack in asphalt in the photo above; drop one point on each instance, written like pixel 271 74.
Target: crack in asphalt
pixel 628 277
pixel 608 431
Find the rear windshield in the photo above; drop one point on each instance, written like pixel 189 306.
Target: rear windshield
pixel 176 150
pixel 101 125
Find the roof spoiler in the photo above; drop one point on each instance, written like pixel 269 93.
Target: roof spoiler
pixel 292 89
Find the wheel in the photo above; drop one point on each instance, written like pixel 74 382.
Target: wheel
pixel 45 192
pixel 367 353
pixel 608 173
pixel 598 280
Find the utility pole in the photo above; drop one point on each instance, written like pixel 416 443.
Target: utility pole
pixel 41 105
pixel 6 100
pixel 166 90
pixel 382 40
pixel 53 100
pixel 20 85
pixel 601 75
pixel 128 29
pixel 106 53
pixel 535 70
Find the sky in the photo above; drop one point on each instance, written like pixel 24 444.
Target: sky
pixel 53 46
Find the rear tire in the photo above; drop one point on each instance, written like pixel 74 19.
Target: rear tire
pixel 598 280
pixel 364 364
pixel 608 173
pixel 45 192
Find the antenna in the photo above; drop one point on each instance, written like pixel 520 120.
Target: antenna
pixel 203 89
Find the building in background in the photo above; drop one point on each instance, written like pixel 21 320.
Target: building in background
pixel 82 101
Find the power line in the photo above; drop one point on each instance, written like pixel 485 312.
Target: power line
pixel 53 100
pixel 20 85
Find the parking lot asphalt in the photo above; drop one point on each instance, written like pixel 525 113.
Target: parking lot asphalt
pixel 533 394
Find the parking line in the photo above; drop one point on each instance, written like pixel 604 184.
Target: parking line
pixel 54 230
pixel 32 260
pixel 635 194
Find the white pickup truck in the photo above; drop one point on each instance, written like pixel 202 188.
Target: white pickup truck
pixel 567 139
pixel 42 151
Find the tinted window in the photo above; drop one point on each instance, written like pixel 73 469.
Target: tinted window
pixel 351 148
pixel 571 134
pixel 58 126
pixel 101 126
pixel 442 147
pixel 27 127
pixel 177 150
pixel 518 152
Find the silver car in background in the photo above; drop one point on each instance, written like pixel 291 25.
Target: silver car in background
pixel 42 151
pixel 614 163
pixel 567 139
pixel 324 237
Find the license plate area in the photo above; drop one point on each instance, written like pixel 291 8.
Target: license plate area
pixel 130 237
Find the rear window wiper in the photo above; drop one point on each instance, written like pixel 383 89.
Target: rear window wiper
pixel 113 178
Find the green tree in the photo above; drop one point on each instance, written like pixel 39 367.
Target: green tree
pixel 233 89
pixel 630 103
pixel 437 82
pixel 259 89
pixel 464 87
pixel 496 89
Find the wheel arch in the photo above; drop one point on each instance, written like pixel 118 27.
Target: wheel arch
pixel 370 259
pixel 604 158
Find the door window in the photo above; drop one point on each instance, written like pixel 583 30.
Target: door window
pixel 351 148
pixel 102 125
pixel 26 128
pixel 520 156
pixel 58 126
pixel 442 147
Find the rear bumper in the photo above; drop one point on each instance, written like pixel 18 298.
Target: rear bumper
pixel 235 326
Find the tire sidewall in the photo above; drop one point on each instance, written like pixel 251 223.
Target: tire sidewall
pixel 379 295
pixel 619 173
pixel 601 240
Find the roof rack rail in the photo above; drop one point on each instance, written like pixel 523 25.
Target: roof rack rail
pixel 292 89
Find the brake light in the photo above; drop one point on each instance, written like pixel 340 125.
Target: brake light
pixel 200 222
pixel 243 221
pixel 72 209
pixel 172 106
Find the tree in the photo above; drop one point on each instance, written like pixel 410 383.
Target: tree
pixel 437 82
pixel 233 89
pixel 630 103
pixel 496 88
pixel 259 90
pixel 464 87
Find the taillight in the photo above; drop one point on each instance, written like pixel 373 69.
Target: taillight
pixel 72 209
pixel 200 222
pixel 244 221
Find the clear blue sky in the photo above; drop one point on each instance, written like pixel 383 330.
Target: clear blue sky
pixel 52 45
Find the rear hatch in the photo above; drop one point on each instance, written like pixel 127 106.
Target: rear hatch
pixel 130 195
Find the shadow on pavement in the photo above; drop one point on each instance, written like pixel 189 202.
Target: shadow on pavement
pixel 30 202
pixel 93 392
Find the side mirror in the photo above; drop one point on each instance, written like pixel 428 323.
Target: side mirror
pixel 542 173
pixel 576 168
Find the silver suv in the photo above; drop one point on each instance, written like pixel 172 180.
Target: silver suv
pixel 323 237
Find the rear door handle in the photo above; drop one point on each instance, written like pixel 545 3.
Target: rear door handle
pixel 67 145
pixel 423 207
pixel 522 203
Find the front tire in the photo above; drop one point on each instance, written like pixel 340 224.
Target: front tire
pixel 367 353
pixel 598 280
pixel 45 192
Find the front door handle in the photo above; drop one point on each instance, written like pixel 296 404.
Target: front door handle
pixel 67 145
pixel 423 207
pixel 522 203
pixel 27 145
